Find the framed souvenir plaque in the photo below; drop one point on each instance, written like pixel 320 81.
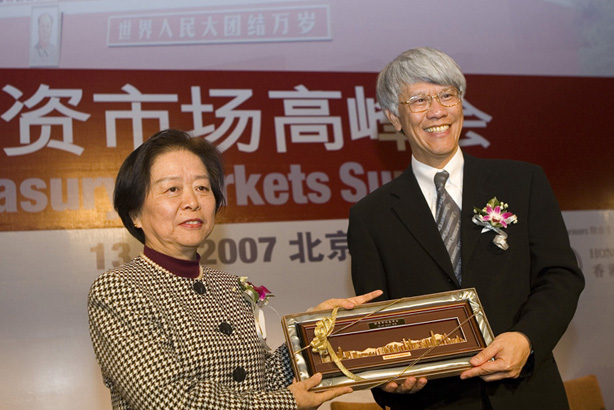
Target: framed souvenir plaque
pixel 428 336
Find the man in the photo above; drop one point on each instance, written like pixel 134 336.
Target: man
pixel 44 52
pixel 529 284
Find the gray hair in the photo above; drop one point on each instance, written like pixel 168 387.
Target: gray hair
pixel 418 65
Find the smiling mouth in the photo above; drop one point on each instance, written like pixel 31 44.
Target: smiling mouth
pixel 192 223
pixel 440 128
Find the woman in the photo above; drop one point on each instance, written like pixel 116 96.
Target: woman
pixel 168 332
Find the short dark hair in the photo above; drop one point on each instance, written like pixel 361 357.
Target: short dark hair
pixel 133 179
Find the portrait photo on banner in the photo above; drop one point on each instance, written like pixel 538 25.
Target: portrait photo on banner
pixel 45 37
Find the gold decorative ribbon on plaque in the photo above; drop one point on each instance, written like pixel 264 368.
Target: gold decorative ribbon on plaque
pixel 321 345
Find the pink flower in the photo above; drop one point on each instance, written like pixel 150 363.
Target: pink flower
pixel 262 291
pixel 496 217
pixel 258 295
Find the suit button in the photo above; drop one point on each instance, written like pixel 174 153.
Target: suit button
pixel 239 374
pixel 199 287
pixel 225 328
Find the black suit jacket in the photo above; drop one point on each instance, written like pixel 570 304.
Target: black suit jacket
pixel 533 287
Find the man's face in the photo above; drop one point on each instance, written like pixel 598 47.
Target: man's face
pixel 44 29
pixel 433 134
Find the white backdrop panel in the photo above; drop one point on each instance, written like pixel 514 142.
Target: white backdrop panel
pixel 45 351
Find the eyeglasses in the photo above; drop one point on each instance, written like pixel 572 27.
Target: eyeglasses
pixel 422 102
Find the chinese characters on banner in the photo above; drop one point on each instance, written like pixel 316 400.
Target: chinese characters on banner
pixel 297 146
pixel 304 23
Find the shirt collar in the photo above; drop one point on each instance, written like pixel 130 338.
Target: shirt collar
pixel 425 173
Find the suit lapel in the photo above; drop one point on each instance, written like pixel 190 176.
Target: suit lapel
pixel 411 208
pixel 475 189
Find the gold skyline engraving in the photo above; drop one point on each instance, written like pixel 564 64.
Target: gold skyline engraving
pixel 394 350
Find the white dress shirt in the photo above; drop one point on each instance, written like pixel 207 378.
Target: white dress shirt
pixel 425 175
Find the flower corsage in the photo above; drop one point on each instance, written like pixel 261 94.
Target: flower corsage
pixel 495 217
pixel 258 297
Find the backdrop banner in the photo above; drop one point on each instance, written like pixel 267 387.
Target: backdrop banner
pixel 297 146
pixel 299 149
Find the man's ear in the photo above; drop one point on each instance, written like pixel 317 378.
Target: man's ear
pixel 394 120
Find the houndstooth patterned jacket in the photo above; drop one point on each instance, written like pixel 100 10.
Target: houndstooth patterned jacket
pixel 161 345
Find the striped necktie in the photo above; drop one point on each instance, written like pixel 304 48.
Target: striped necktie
pixel 448 222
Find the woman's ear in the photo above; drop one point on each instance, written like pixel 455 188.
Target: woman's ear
pixel 136 220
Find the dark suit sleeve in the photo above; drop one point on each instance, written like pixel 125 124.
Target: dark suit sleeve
pixel 367 270
pixel 556 280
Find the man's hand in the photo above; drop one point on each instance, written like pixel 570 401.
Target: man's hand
pixel 307 400
pixel 510 352
pixel 409 385
pixel 348 303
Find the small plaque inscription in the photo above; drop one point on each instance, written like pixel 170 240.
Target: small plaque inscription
pixel 386 323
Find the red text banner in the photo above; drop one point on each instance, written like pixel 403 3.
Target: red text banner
pixel 297 145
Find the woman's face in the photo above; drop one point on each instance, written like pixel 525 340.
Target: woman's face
pixel 179 209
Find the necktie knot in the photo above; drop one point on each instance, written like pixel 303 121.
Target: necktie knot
pixel 440 179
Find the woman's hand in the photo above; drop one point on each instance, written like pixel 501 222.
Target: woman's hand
pixel 307 400
pixel 348 303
